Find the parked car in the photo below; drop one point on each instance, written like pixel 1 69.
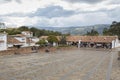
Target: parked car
pixel 98 45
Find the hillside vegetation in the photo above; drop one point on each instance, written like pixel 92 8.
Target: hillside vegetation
pixel 78 30
pixel 101 29
pixel 113 30
pixel 36 32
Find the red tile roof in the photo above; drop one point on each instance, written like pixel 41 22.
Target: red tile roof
pixel 18 35
pixel 12 40
pixel 45 37
pixel 99 39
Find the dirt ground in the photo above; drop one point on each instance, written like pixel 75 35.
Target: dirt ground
pixel 78 64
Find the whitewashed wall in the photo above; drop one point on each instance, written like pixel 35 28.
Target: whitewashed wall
pixel 3 45
pixel 115 43
pixel 30 34
pixel 22 40
pixel 35 39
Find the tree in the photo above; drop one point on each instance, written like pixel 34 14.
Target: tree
pixel 52 39
pixel 113 30
pixel 13 31
pixel 93 32
pixel 114 22
pixel 41 42
pixel 63 39
pixel 105 31
pixel 23 28
pixel 39 32
pixel 36 32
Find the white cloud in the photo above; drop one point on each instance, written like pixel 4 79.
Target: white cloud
pixel 82 20
pixel 87 14
pixel 75 20
pixel 114 2
pixel 89 7
pixel 26 6
pixel 29 6
pixel 19 21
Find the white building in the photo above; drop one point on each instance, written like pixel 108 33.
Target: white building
pixel 2 26
pixel 11 42
pixel 35 39
pixel 26 41
pixel 115 43
pixel 94 41
pixel 31 41
pixel 3 41
pixel 27 33
pixel 22 39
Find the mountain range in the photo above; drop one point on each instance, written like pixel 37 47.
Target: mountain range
pixel 78 30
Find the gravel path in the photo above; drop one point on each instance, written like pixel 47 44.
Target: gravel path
pixel 80 64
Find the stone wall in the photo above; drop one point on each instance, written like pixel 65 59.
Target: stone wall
pixel 25 50
pixel 16 51
pixel 28 50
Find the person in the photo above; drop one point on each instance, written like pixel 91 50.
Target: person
pixel 34 49
pixel 47 50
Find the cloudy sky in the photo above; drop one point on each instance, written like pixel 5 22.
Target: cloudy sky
pixel 58 13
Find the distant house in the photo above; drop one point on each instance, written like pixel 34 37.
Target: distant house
pixel 22 39
pixel 11 42
pixel 27 33
pixel 43 37
pixel 3 41
pixel 94 41
pixel 25 41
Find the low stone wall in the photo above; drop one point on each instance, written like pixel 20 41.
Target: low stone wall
pixel 28 50
pixel 25 50
pixel 16 51
pixel 6 52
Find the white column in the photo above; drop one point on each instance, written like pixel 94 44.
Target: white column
pixel 79 42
